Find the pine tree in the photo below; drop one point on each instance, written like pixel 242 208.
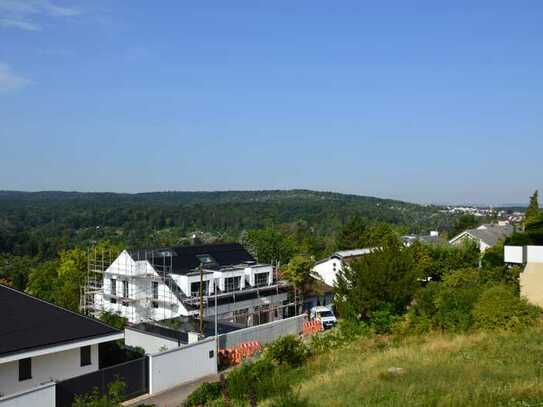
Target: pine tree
pixel 532 213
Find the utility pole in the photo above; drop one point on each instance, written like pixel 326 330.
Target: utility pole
pixel 201 299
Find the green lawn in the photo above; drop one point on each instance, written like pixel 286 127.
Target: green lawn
pixel 483 369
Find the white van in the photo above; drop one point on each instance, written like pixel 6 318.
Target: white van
pixel 325 315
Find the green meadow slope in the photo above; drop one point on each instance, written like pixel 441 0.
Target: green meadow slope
pixel 482 369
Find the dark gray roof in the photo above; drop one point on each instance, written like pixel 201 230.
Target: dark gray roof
pixel 29 323
pixel 491 234
pixel 184 259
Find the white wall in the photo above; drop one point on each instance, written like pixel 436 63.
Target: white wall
pixel 54 366
pixel 513 254
pixel 534 254
pixel 42 396
pixel 326 270
pixel 182 365
pixel 150 343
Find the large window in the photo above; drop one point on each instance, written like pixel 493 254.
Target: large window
pixel 231 284
pixel 113 286
pixel 25 369
pixel 195 288
pixel 85 355
pixel 155 289
pixel 261 279
pixel 125 289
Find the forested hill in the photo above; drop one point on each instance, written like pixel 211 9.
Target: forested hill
pixel 194 197
pixel 41 223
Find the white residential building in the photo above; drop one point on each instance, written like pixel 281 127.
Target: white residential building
pixel 41 342
pixel 531 277
pixel 159 284
pixel 328 269
pixel 485 236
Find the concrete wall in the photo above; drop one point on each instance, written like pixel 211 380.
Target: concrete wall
pixel 54 366
pixel 513 254
pixel 149 342
pixel 182 365
pixel 42 396
pixel 534 254
pixel 531 283
pixel 264 333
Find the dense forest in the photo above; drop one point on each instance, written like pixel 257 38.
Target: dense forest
pixel 43 223
pixel 44 236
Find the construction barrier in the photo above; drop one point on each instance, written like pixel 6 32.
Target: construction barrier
pixel 311 327
pixel 235 355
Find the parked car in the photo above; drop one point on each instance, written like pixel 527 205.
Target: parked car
pixel 325 315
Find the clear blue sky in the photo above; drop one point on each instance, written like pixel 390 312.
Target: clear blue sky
pixel 424 101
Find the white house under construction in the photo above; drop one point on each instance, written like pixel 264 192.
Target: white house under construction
pixel 153 285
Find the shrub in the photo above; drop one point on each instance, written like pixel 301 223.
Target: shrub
pixel 454 308
pixel 383 320
pixel 290 399
pixel 113 398
pixel 287 351
pixel 499 308
pixel 204 394
pixel 260 378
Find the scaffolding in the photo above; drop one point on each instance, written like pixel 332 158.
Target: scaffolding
pixel 140 296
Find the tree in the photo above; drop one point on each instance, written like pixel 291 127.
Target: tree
pixel 298 273
pixel 533 211
pixel 352 234
pixel 72 270
pixel 270 245
pixel 385 279
pixel 43 281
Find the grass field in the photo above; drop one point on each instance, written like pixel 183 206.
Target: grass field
pixel 483 369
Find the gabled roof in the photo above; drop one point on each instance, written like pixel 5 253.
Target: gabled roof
pixel 28 323
pixel 347 254
pixel 184 259
pixel 489 234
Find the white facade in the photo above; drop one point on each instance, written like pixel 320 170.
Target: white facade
pixel 46 368
pixel 328 270
pixel 140 292
pixel 41 396
pixel 182 365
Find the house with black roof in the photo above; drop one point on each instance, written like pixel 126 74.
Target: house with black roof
pixel 160 284
pixel 41 342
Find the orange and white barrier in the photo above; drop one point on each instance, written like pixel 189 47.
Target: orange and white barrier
pixel 236 354
pixel 311 327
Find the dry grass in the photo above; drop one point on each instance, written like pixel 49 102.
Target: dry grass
pixel 483 369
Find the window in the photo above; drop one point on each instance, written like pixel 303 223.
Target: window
pixel 25 369
pixel 205 259
pixel 113 300
pixel 261 279
pixel 155 289
pixel 154 304
pixel 125 289
pixel 113 286
pixel 231 284
pixel 211 354
pixel 85 355
pixel 124 303
pixel 195 288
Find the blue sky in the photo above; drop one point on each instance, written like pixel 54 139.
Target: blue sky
pixel 427 101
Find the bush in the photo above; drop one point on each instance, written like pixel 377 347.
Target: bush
pixel 499 308
pixel 204 394
pixel 287 351
pixel 454 308
pixel 260 378
pixel 383 320
pixel 290 399
pixel 113 398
